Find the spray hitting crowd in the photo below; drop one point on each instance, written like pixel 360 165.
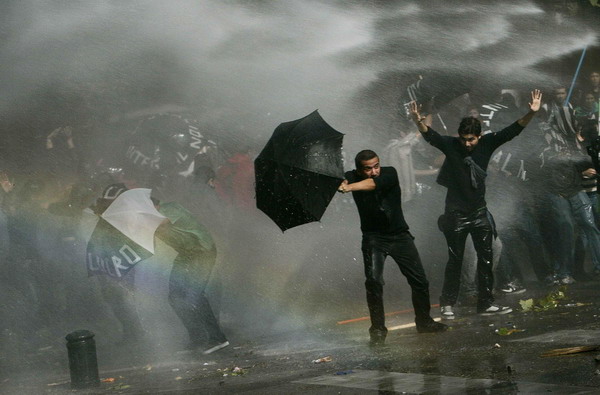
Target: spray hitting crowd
pixel 548 170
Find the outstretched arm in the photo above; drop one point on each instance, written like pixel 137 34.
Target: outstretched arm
pixel 534 106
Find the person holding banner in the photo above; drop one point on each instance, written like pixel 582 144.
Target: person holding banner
pixel 192 267
pixel 113 253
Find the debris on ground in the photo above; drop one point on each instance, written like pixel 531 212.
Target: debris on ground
pixel 496 345
pixel 508 331
pixel 570 350
pixel 526 304
pixel 344 372
pixel 108 380
pixel 51 384
pixel 324 359
pixel 235 371
pixel 548 302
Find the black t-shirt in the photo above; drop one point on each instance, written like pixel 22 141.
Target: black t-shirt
pixel 455 174
pixel 380 210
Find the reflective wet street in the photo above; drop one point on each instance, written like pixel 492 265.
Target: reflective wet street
pixel 476 356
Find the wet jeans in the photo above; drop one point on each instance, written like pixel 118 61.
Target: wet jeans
pixel 566 214
pixel 468 278
pixel 187 283
pixel 456 228
pixel 376 248
pixel 525 229
pixel 581 244
pixel 119 294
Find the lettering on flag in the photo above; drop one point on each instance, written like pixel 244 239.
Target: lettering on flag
pixel 110 252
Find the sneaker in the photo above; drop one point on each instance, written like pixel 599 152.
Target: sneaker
pixel 432 327
pixel 567 280
pixel 216 347
pixel 512 289
pixel 551 280
pixel 495 309
pixel 447 313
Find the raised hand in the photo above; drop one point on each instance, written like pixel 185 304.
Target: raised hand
pixel 536 100
pixel 414 111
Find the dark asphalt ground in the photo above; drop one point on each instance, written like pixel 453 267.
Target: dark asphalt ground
pixel 470 358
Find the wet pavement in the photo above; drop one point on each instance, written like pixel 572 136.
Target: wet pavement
pixel 471 358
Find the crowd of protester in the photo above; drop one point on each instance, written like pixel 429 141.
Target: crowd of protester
pixel 542 188
pixel 543 183
pixel 44 281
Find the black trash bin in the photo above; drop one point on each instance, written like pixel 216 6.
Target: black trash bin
pixel 83 363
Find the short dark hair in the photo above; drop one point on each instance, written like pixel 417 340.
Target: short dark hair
pixel 363 155
pixel 469 125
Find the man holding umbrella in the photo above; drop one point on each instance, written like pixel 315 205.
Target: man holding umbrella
pixel 376 192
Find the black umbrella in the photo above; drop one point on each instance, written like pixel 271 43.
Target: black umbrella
pixel 299 171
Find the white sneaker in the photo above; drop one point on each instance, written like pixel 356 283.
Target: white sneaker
pixel 567 280
pixel 216 348
pixel 495 309
pixel 512 289
pixel 447 313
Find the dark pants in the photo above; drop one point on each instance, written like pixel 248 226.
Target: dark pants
pixel 375 248
pixel 508 270
pixel 187 283
pixel 568 214
pixel 526 230
pixel 581 243
pixel 456 228
pixel 120 297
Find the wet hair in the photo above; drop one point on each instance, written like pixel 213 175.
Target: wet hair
pixel 469 125
pixel 363 155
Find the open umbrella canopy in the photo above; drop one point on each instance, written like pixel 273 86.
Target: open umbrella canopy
pixel 299 171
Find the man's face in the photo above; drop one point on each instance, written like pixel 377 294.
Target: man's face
pixel 469 141
pixel 590 100
pixel 370 168
pixel 560 95
pixel 595 79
